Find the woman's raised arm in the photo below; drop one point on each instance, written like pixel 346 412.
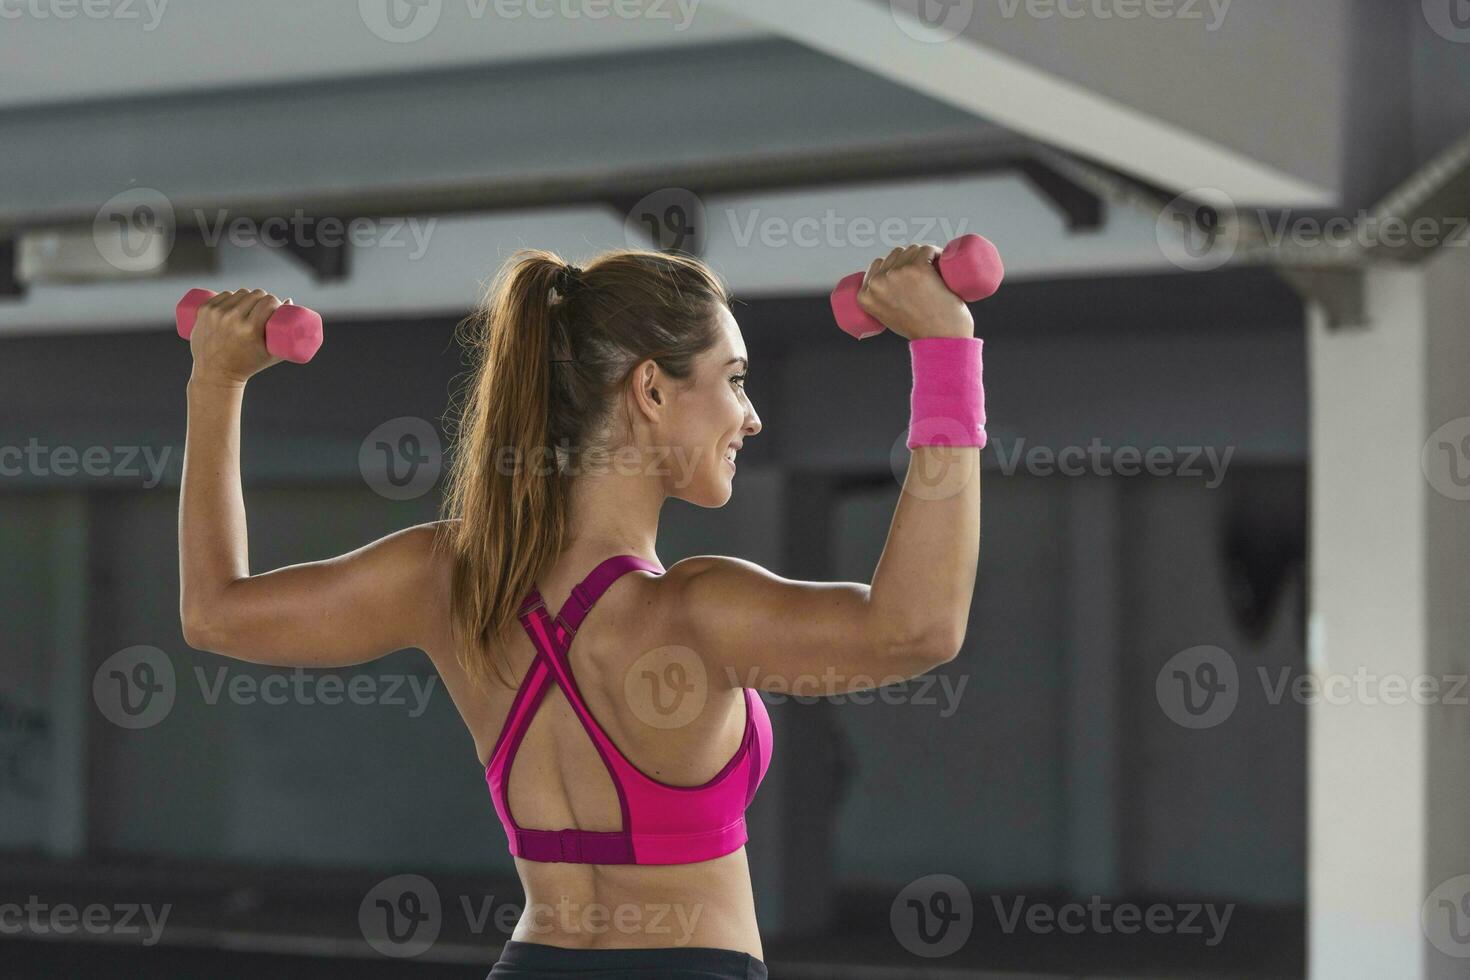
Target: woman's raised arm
pixel 356 607
pixel 756 629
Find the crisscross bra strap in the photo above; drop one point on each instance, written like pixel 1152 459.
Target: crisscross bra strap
pixel 553 638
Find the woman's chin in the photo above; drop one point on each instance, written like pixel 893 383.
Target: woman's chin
pixel 712 493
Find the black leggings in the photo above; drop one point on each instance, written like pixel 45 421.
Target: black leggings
pixel 544 962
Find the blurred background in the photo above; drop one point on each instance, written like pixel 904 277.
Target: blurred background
pixel 1211 718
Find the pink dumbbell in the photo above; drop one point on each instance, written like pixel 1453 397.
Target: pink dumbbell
pixel 293 332
pixel 969 265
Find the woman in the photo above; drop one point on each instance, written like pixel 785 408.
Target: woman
pixel 620 767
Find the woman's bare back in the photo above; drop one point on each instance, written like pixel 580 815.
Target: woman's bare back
pixel 558 779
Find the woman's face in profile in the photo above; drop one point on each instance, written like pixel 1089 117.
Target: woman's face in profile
pixel 713 416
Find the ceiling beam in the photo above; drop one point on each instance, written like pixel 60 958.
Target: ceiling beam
pixel 1006 90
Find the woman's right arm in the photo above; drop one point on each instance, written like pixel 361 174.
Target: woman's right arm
pixel 385 596
pixel 756 629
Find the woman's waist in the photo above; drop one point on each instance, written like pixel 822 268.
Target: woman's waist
pixel 710 903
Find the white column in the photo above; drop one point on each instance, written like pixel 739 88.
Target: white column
pixel 1447 608
pixel 1390 562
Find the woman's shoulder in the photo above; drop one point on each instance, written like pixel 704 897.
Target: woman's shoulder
pixel 703 585
pixel 432 542
pixel 714 573
pixel 429 549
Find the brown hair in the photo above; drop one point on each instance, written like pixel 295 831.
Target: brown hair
pixel 509 522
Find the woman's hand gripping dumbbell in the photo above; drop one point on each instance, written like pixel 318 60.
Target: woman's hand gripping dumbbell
pixel 236 334
pixel 969 269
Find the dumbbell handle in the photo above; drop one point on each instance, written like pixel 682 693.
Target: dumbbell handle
pixel 293 332
pixel 970 266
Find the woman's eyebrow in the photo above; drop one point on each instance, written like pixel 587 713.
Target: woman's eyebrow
pixel 738 360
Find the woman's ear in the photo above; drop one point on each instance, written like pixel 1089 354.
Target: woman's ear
pixel 646 383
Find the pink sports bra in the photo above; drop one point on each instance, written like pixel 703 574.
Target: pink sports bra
pixel 662 824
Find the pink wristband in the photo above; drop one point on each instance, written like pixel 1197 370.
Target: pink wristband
pixel 947 406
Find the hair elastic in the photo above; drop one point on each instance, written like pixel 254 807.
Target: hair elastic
pixel 568 280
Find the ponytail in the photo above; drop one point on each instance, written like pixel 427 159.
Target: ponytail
pixel 508 490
